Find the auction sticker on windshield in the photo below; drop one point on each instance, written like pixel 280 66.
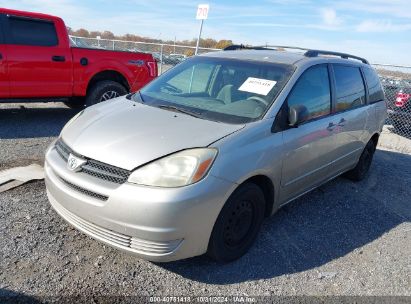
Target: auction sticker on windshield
pixel 257 85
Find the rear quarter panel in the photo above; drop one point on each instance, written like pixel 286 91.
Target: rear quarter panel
pixel 380 114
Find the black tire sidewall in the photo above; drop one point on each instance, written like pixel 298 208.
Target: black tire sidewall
pixel 370 149
pixel 75 103
pixel 217 249
pixel 98 89
pixel 361 169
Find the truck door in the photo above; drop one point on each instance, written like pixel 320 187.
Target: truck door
pixel 39 62
pixel 4 80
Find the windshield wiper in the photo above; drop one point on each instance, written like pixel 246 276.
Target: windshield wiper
pixel 138 97
pixel 180 110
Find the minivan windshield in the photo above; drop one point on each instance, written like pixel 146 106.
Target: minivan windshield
pixel 219 89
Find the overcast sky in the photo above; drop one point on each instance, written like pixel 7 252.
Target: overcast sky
pixel 379 30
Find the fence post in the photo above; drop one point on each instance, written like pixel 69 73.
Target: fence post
pixel 161 59
pixel 113 45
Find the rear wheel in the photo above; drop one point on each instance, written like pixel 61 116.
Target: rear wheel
pixel 364 163
pixel 104 90
pixel 238 224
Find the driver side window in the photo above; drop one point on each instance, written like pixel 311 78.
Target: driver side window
pixel 312 93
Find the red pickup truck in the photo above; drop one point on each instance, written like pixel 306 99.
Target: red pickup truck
pixel 38 63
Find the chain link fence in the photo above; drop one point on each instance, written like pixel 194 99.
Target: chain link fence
pixel 396 80
pixel 167 55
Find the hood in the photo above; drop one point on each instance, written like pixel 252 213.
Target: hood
pixel 127 134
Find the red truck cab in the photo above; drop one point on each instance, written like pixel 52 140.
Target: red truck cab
pixel 38 63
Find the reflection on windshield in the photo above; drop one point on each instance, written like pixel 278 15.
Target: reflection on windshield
pixel 227 90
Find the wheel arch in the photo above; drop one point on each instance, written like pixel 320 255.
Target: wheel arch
pixel 108 75
pixel 267 186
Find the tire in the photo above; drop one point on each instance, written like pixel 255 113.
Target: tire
pixel 364 163
pixel 238 224
pixel 75 103
pixel 104 90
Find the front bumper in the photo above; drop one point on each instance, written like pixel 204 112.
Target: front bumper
pixel 157 224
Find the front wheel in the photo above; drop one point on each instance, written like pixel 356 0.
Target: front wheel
pixel 104 90
pixel 238 224
pixel 364 163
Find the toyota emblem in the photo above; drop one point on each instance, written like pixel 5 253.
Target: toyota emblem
pixel 74 163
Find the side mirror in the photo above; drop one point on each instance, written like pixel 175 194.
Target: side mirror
pixel 296 115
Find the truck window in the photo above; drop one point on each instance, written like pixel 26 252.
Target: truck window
pixel 349 86
pixel 25 31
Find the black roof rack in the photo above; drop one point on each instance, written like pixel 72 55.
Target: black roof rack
pixel 235 47
pixel 315 53
pixel 308 53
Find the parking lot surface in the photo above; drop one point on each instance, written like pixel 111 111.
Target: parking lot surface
pixel 344 238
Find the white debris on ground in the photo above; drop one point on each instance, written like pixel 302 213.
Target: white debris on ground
pixel 15 177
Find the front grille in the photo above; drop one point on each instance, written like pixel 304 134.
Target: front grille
pixel 84 191
pixel 121 240
pixel 95 168
pixel 106 172
pixel 62 149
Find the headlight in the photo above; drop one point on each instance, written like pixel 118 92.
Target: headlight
pixel 176 170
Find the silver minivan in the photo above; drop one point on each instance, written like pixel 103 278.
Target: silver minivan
pixel 193 162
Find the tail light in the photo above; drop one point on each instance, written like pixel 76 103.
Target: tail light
pixel 152 67
pixel 402 99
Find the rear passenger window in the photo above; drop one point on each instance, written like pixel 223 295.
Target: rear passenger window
pixel 374 86
pixel 312 92
pixel 350 88
pixel 25 31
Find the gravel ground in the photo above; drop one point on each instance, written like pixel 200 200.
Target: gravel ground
pixel 29 129
pixel 344 238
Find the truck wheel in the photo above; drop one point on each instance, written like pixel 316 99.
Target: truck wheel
pixel 364 163
pixel 104 90
pixel 238 224
pixel 75 103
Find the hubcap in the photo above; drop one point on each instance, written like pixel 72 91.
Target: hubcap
pixel 109 95
pixel 239 224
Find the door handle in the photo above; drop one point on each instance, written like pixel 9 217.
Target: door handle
pixel 1 56
pixel 341 123
pixel 58 58
pixel 331 126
